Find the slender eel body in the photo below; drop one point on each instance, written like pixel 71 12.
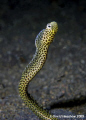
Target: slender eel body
pixel 42 42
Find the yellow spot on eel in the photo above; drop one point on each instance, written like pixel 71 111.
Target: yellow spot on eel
pixel 42 42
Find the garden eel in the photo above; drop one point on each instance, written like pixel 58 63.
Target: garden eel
pixel 42 42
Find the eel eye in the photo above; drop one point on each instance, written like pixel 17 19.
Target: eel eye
pixel 49 26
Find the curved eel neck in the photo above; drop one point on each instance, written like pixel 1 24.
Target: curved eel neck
pixel 33 67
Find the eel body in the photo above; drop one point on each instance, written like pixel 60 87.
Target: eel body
pixel 42 42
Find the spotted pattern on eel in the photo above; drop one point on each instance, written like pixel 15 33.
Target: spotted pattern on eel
pixel 42 42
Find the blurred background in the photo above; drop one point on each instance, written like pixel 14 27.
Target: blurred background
pixel 60 86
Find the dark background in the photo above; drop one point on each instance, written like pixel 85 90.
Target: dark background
pixel 61 85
